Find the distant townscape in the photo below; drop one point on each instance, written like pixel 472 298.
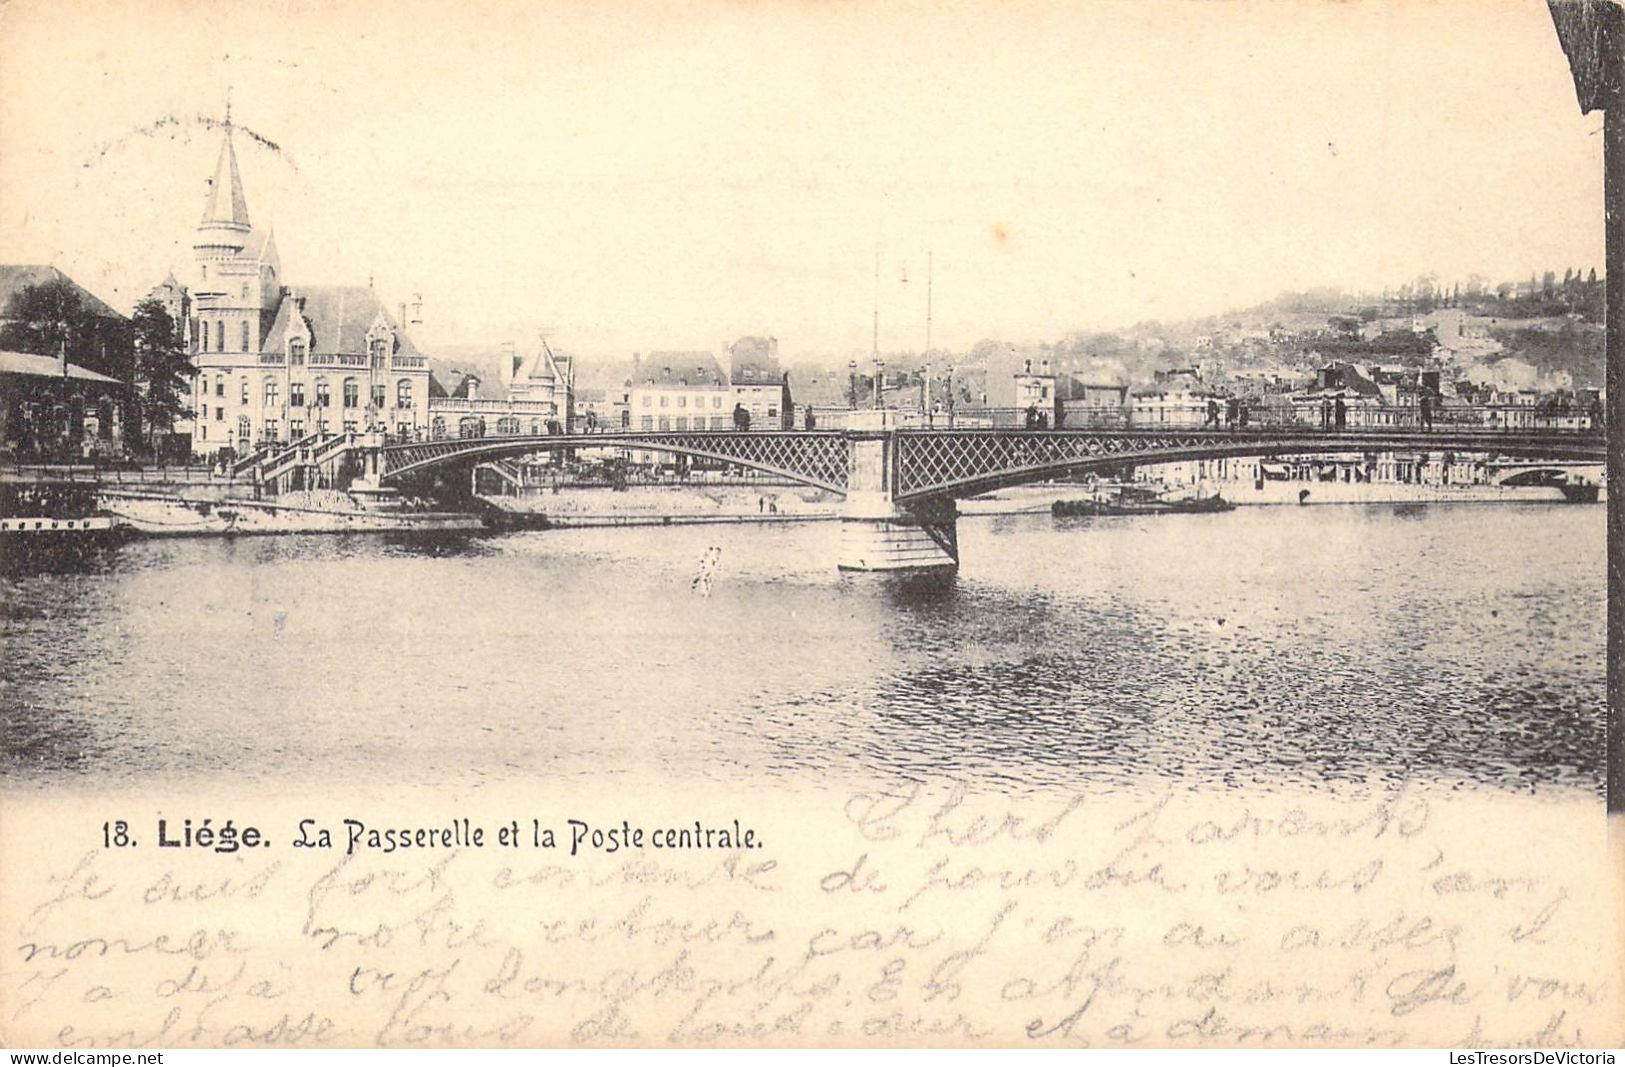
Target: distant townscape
pixel 237 359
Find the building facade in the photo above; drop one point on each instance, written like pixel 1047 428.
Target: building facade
pixel 680 391
pixel 277 363
pixel 758 384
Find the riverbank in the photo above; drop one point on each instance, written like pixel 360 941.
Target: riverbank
pixel 152 514
pixel 1040 498
pixel 666 506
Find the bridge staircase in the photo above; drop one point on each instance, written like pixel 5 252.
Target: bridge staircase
pixel 251 461
pixel 293 457
pixel 275 467
pixel 507 472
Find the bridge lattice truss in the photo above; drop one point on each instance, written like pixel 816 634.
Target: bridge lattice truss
pixel 817 458
pixel 961 463
pixel 957 463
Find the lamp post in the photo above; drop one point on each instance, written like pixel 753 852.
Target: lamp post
pixel 880 380
pixel 925 396
pixel 852 383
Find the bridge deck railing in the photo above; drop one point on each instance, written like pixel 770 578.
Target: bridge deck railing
pixel 1485 418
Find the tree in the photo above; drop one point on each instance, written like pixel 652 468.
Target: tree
pixel 163 371
pixel 50 318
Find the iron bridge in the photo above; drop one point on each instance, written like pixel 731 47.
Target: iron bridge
pixel 927 463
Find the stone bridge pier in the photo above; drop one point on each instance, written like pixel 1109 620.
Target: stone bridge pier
pixel 878 533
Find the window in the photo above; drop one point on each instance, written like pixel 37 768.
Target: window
pixel 349 426
pixel 273 393
pixel 242 429
pixel 682 401
pixel 716 401
pixel 647 422
pixel 245 335
pixel 220 336
pixel 535 427
pixel 665 423
pixel 219 385
pixel 203 433
pixel 244 383
pixel 647 400
pixel 403 393
pixel 437 428
pixel 352 393
pixel 296 353
pixel 380 393
pixel 203 337
pixel 471 426
pixel 219 414
pixel 270 429
pixel 682 422
pixel 663 399
pixel 296 394
pixel 508 425
pixel 323 397
pixel 245 290
pixel 296 429
pixel 380 348
pixel 772 413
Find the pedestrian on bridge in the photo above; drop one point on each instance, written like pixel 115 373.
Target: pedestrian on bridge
pixel 1232 409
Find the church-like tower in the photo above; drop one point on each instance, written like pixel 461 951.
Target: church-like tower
pixel 236 289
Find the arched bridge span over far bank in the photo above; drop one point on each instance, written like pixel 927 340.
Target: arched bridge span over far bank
pixel 923 464
pixel 961 463
pixel 818 458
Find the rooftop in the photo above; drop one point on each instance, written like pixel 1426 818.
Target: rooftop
pixel 48 367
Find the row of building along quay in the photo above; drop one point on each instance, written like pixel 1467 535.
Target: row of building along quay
pixel 240 383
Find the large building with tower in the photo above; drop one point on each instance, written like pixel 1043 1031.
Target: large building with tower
pixel 278 362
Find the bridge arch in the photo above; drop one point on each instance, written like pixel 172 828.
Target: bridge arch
pixel 983 463
pixel 817 459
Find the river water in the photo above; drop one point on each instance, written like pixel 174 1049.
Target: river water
pixel 1264 648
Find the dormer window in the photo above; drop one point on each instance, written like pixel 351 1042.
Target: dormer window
pixel 380 348
pixel 296 352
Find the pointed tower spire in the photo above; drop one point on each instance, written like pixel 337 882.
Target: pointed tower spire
pixel 226 206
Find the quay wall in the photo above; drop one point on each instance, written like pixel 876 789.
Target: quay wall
pixel 645 505
pixel 323 511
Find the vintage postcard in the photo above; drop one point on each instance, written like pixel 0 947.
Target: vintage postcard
pixel 790 524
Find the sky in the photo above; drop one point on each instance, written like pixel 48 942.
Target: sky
pixel 652 175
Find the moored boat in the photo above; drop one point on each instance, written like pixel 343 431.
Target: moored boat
pixel 1132 500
